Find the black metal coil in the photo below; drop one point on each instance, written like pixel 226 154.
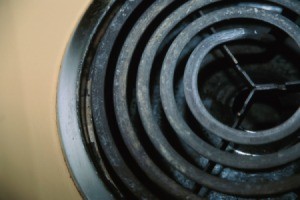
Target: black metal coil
pixel 147 102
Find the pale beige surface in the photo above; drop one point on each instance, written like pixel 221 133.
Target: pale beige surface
pixel 33 38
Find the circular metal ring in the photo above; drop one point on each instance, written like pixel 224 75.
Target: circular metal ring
pixel 81 166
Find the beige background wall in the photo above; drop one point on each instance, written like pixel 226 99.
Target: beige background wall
pixel 33 37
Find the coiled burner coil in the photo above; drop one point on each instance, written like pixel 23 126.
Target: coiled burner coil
pixel 195 99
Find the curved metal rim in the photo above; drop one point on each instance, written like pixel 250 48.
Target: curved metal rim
pixel 78 160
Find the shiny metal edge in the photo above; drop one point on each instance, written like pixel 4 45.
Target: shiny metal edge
pixel 79 163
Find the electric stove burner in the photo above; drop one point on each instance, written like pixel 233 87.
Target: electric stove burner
pixel 195 99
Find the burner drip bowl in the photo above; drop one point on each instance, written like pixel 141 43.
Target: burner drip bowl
pixel 196 99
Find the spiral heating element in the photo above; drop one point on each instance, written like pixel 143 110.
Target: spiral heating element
pixel 195 99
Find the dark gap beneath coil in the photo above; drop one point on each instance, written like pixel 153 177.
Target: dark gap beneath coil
pixel 109 100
